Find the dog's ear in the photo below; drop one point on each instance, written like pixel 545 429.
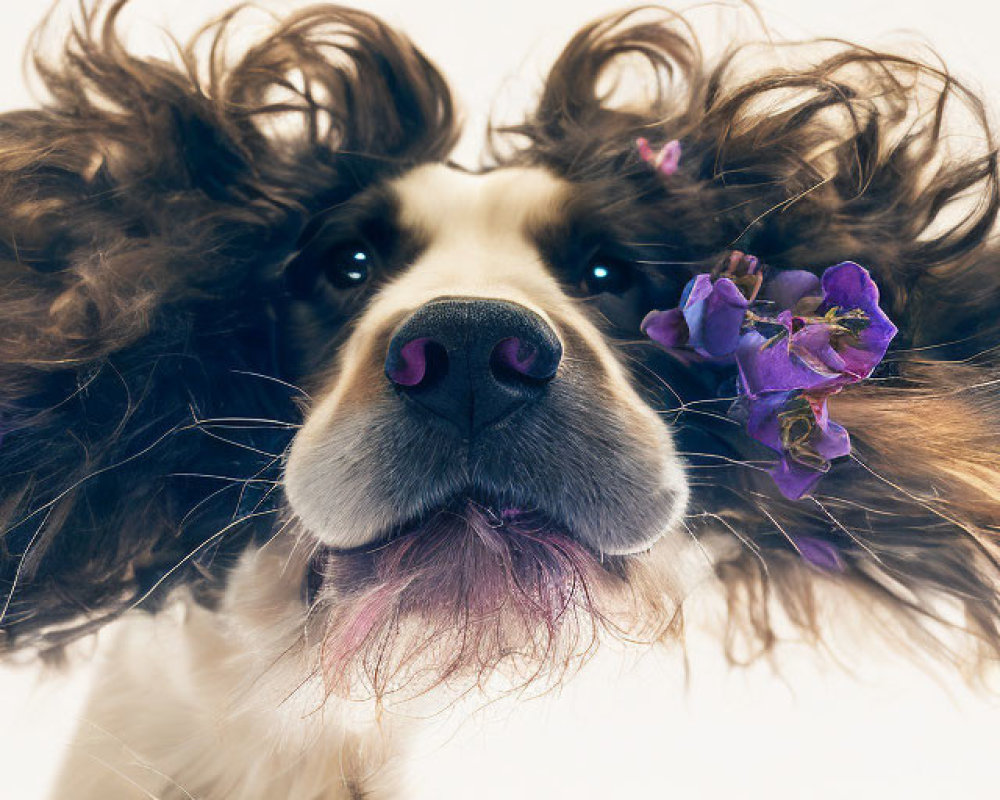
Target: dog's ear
pixel 843 157
pixel 143 211
pixel 830 152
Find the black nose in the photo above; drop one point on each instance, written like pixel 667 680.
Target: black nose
pixel 473 362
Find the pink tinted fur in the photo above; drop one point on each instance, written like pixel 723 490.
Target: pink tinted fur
pixel 474 591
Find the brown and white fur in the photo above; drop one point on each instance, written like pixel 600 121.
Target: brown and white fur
pixel 200 416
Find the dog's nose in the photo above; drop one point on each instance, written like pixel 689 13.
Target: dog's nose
pixel 471 361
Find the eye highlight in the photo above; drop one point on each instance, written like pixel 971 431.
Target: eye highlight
pixel 607 276
pixel 348 266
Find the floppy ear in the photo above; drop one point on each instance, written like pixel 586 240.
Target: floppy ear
pixel 838 159
pixel 143 212
pixel 844 156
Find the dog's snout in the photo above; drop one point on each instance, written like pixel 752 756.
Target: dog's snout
pixel 473 361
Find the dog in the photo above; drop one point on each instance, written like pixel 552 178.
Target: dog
pixel 322 415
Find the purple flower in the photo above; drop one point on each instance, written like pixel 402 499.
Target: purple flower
pixel 800 430
pixel 821 334
pixel 849 287
pixel 841 345
pixel 709 319
pixel 819 552
pixel 666 328
pixel 789 286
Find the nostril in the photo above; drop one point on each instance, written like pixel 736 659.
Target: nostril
pixel 514 358
pixel 419 362
pixel 515 355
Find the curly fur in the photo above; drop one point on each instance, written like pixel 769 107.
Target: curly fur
pixel 148 209
pixel 146 217
pixel 806 167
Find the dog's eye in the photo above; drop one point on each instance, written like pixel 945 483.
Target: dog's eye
pixel 348 266
pixel 607 275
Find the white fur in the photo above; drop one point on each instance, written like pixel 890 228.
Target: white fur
pixel 223 705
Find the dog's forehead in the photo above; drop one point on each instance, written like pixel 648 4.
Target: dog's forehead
pixel 442 201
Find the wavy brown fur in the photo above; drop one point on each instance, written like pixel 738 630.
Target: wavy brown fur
pixel 144 216
pixel 805 168
pixel 147 208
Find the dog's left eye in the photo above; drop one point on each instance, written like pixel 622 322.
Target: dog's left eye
pixel 349 266
pixel 607 275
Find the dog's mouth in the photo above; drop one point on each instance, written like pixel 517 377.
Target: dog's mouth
pixel 472 583
pixel 464 513
pixel 499 509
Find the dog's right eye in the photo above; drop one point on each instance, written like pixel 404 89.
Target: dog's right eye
pixel 348 266
pixel 607 276
pixel 341 268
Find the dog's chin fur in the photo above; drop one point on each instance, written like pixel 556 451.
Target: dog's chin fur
pixel 468 594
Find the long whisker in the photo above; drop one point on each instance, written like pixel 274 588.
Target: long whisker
pixel 20 564
pixel 91 475
pixel 291 386
pixel 843 528
pixel 747 543
pixel 201 546
pixel 729 461
pixel 697 541
pixel 241 445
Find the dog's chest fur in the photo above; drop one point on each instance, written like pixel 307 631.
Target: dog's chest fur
pixel 223 706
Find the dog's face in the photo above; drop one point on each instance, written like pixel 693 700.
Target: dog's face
pixel 473 372
pixel 473 409
pixel 227 329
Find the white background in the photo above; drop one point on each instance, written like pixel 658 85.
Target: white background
pixel 635 732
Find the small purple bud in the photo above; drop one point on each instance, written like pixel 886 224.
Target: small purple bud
pixel 820 553
pixel 665 161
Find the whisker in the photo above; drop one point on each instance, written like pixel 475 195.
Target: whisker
pixel 137 760
pixel 698 543
pixel 786 203
pixel 777 525
pixel 201 546
pixel 659 378
pixel 747 543
pixel 984 546
pixel 219 477
pixel 258 421
pixel 241 445
pixel 845 530
pixel 267 494
pixel 91 475
pixel 291 386
pixel 20 564
pixel 112 768
pixel 729 461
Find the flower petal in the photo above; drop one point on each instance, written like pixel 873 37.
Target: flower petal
pixel 789 286
pixel 714 313
pixel 819 552
pixel 766 367
pixel 832 440
pixel 812 346
pixel 849 286
pixel 666 328
pixel 762 418
pixel 794 480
